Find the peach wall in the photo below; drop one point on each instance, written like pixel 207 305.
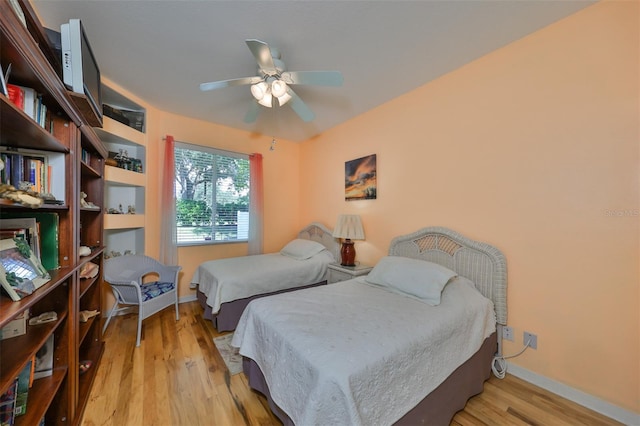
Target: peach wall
pixel 534 149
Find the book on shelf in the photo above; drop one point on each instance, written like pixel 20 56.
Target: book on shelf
pixel 26 167
pixel 44 360
pixel 8 405
pixel 24 383
pixel 47 228
pixel 17 169
pixel 23 98
pixel 30 97
pixel 16 95
pixel 3 82
pixel 29 101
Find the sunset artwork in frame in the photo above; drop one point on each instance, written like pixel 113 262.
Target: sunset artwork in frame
pixel 360 179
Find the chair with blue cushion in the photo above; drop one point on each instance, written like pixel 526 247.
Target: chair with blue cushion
pixel 138 280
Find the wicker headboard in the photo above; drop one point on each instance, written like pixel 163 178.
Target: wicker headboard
pixel 320 233
pixel 482 263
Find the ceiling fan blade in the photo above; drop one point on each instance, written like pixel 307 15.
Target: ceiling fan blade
pixel 317 78
pixel 229 83
pixel 300 107
pixel 262 53
pixel 252 113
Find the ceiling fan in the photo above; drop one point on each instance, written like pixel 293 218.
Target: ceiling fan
pixel 272 86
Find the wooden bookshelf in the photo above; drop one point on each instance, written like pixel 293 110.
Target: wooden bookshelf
pixel 70 138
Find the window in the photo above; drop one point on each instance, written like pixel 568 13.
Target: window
pixel 212 195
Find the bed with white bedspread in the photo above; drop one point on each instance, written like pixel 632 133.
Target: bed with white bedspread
pixel 373 349
pixel 225 286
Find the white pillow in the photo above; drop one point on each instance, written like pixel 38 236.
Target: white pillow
pixel 302 249
pixel 417 278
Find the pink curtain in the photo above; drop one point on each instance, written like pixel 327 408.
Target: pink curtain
pixel 256 204
pixel 168 245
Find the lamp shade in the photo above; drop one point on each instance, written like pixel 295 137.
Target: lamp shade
pixel 259 90
pixel 349 226
pixel 278 88
pixel 267 100
pixel 284 98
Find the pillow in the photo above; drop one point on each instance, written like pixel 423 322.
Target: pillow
pixel 419 279
pixel 300 249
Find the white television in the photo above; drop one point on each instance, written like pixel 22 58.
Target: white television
pixel 80 72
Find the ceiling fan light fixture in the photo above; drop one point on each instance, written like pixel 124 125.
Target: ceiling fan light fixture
pixel 278 88
pixel 266 100
pixel 284 99
pixel 259 90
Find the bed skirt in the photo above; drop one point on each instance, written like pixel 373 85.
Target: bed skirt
pixel 437 408
pixel 230 312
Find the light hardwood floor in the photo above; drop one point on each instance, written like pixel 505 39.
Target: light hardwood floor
pixel 176 377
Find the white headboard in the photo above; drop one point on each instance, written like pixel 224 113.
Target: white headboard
pixel 318 232
pixel 482 263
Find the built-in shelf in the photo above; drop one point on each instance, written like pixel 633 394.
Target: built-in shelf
pixel 113 131
pixel 116 176
pixel 123 221
pixel 124 189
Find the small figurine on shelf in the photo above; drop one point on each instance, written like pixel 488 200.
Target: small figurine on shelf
pixel 86 204
pixel 123 159
pixel 87 315
pixel 111 254
pixel 131 209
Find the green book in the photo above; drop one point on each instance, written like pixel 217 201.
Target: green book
pixel 48 226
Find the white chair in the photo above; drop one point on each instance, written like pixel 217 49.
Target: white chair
pixel 125 275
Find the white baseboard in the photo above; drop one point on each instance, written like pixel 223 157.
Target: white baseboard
pixel 591 402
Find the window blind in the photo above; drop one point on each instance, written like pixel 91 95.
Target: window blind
pixel 212 195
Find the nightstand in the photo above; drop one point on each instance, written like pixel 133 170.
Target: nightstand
pixel 337 272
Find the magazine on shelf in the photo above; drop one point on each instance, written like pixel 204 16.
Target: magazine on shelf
pixel 8 405
pixel 44 360
pixel 24 383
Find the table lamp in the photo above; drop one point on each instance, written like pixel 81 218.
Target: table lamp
pixel 348 227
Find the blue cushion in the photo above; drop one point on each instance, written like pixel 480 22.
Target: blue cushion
pixel 155 289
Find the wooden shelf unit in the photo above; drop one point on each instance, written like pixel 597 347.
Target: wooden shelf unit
pixel 61 397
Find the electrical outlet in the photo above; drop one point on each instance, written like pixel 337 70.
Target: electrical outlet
pixel 531 338
pixel 507 333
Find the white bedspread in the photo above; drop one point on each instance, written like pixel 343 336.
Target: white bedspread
pixel 353 354
pixel 225 280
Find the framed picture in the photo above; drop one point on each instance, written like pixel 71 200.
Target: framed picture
pixel 360 179
pixel 21 272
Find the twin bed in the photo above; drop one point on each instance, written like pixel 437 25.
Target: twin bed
pixel 407 344
pixel 226 286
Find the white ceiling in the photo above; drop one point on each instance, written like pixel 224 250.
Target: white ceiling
pixel 163 50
